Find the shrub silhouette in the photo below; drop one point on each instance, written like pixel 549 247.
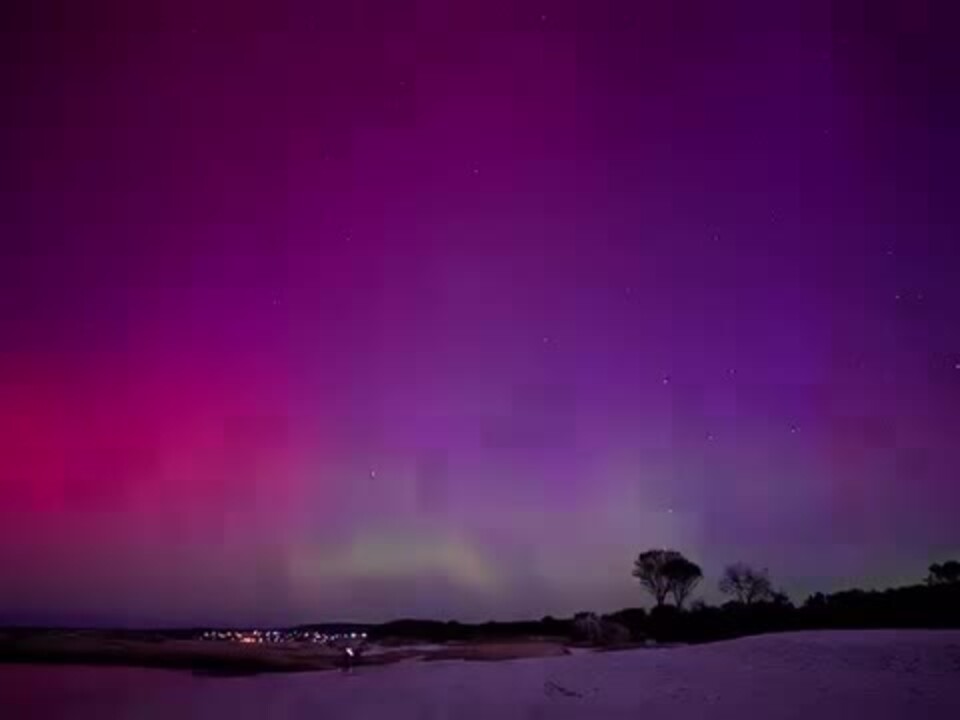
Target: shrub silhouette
pixel 589 628
pixel 947 573
pixel 633 619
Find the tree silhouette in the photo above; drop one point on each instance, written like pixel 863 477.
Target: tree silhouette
pixel 746 584
pixel 666 572
pixel 945 574
pixel 648 568
pixel 682 577
pixel 586 626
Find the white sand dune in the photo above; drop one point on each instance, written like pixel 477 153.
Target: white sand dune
pixel 811 675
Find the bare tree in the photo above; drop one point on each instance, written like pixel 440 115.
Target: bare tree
pixel 648 568
pixel 746 584
pixel 683 576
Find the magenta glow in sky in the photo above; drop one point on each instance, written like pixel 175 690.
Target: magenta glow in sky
pixel 376 309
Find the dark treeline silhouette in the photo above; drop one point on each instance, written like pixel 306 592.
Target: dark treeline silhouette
pixel 438 631
pixel 755 608
pixel 670 579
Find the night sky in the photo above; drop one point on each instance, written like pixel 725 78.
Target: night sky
pixel 362 310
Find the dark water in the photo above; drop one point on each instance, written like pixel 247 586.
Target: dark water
pixel 42 692
pixel 82 693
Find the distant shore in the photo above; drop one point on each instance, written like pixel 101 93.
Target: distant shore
pixel 230 658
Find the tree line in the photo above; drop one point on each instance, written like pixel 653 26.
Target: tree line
pixel 754 606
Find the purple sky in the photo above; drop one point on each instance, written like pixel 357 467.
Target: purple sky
pixel 371 309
